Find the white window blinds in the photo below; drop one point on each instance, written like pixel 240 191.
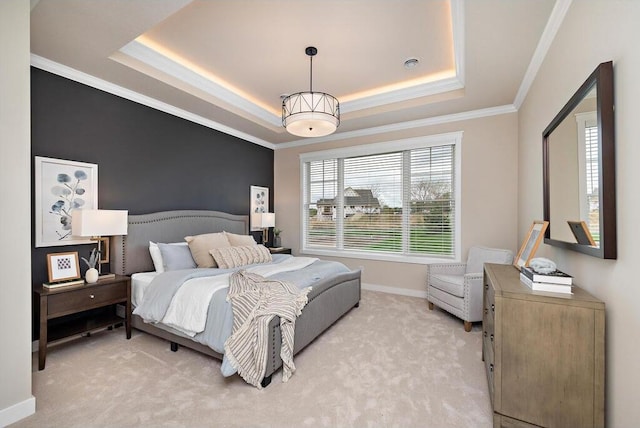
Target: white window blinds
pixel 400 202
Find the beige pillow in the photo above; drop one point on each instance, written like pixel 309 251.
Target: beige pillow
pixel 240 240
pixel 200 245
pixel 231 257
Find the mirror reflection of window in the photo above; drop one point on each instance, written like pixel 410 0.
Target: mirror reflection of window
pixel 588 160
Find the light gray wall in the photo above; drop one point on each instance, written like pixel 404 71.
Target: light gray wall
pixel 16 400
pixel 595 32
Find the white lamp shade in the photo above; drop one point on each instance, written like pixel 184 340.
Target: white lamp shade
pixel 264 220
pixel 99 222
pixel 310 114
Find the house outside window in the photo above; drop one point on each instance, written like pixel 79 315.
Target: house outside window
pixel 395 201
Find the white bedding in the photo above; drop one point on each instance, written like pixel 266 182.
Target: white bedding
pixel 139 283
pixel 190 304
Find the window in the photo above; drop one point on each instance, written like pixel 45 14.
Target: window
pixel 392 201
pixel 588 162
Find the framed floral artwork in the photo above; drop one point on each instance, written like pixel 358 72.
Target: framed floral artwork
pixel 62 186
pixel 259 203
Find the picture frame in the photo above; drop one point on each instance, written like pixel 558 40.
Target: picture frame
pixel 259 203
pixel 531 243
pixel 63 266
pixel 60 187
pixel 581 232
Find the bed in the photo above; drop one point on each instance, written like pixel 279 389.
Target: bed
pixel 330 298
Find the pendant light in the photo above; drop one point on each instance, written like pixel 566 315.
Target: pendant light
pixel 310 114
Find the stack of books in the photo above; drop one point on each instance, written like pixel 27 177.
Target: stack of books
pixel 555 282
pixel 51 285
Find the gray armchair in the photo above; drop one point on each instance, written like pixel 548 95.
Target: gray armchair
pixel 457 287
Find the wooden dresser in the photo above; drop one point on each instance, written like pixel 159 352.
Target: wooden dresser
pixel 543 353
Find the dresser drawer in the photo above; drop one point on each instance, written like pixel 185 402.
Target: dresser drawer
pixel 82 299
pixel 489 366
pixel 489 301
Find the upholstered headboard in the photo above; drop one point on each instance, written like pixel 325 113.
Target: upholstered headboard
pixel 130 253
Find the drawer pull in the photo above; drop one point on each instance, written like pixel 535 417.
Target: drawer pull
pixel 486 286
pixel 493 308
pixel 486 311
pixel 491 368
pixel 91 296
pixel 485 334
pixel 491 337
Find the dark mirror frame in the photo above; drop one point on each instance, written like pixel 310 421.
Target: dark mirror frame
pixel 602 79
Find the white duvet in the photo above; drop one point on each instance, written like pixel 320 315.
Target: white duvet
pixel 188 309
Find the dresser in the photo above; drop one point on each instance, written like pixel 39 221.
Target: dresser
pixel 543 353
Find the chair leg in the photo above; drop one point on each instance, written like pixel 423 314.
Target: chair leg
pixel 467 326
pixel 430 304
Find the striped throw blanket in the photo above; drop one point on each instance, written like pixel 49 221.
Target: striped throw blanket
pixel 255 300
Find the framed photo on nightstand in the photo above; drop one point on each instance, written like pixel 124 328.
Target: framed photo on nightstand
pixel 63 266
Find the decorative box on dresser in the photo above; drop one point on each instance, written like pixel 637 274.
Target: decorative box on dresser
pixel 543 353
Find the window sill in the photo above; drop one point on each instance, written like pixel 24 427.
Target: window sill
pixel 396 258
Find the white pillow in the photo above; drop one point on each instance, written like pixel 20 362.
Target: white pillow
pixel 156 255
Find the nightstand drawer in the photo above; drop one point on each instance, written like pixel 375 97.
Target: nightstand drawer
pixel 82 299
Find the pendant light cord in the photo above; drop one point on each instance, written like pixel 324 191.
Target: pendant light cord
pixel 310 73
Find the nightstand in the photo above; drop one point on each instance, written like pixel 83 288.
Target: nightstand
pixel 65 301
pixel 280 250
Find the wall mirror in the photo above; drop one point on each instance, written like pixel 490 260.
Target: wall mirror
pixel 578 150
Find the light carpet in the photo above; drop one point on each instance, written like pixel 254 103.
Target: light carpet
pixel 389 363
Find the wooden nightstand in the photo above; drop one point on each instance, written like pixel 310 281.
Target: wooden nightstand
pixel 60 302
pixel 280 250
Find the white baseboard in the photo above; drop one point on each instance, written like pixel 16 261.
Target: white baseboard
pixel 394 290
pixel 18 411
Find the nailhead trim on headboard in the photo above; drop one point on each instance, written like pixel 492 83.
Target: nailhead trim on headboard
pixel 172 226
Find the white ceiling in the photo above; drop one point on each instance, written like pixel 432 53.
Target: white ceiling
pixel 225 63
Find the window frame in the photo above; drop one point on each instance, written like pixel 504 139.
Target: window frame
pixel 452 138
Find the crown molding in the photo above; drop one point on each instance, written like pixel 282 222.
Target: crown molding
pixel 97 83
pixel 198 81
pixel 402 126
pixel 550 30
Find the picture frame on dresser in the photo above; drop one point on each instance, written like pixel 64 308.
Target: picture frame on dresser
pixel 531 243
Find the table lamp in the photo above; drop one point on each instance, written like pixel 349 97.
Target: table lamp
pixel 96 224
pixel 264 221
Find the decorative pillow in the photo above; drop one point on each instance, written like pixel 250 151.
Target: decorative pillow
pixel 240 240
pixel 176 257
pixel 156 255
pixel 201 244
pixel 231 257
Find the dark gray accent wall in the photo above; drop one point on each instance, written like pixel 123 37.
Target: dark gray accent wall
pixel 147 160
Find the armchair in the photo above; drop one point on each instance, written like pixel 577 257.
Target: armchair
pixel 457 287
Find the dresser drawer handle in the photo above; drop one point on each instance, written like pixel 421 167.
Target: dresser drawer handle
pixel 485 334
pixel 91 296
pixel 491 368
pixel 486 286
pixel 491 337
pixel 486 311
pixel 493 308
